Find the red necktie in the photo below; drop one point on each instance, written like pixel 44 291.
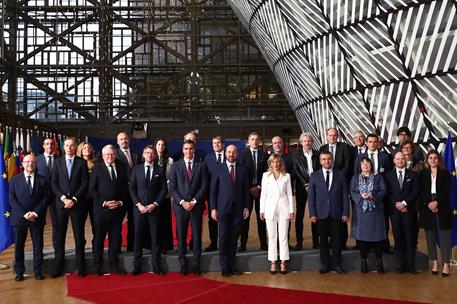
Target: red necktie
pixel 232 173
pixel 189 170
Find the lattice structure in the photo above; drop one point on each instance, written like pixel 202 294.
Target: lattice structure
pixel 108 61
pixel 372 65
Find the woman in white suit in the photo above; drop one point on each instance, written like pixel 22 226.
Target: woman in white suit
pixel 277 209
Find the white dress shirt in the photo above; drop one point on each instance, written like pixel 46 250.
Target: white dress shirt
pixel 309 160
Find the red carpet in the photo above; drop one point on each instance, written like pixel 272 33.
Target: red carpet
pixel 172 288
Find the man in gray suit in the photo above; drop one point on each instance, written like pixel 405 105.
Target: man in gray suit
pixel 328 207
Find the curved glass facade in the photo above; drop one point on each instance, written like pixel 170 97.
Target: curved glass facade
pixel 362 64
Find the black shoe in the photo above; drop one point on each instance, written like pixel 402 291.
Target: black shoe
pixel 445 274
pixel 81 274
pixel 324 270
pixel 298 247
pixel 387 250
pixel 39 276
pixel 380 266
pixel 435 272
pixel 159 273
pixel 211 248
pixel 118 271
pixel 56 274
pixel 197 273
pixel 401 269
pixel 364 266
pixel 241 248
pixel 225 273
pixel 235 271
pixel 315 245
pixel 182 272
pixel 413 270
pixel 264 247
pixel 339 270
pixel 136 272
pixel 19 277
pixel 98 273
pixel 283 268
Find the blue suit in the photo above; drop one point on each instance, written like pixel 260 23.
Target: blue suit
pixel 22 201
pixel 229 199
pixel 329 206
pixel 184 188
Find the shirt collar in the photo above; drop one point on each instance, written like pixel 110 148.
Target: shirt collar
pixel 67 158
pixel 46 155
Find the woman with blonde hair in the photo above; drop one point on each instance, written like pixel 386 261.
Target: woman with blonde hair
pixel 277 209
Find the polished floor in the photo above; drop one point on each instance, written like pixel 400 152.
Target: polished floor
pixel 423 287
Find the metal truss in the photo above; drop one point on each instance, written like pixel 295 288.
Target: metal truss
pixel 116 61
pixel 370 65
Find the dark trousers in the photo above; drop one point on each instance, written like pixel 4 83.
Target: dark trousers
pixel 89 212
pixel 365 247
pixel 330 228
pixel 130 225
pixel 20 235
pixel 229 230
pixel 212 227
pixel 166 234
pixel 387 222
pixel 147 224
pixel 53 214
pixel 77 223
pixel 301 197
pixel 182 223
pixel 404 231
pixel 261 226
pixel 110 223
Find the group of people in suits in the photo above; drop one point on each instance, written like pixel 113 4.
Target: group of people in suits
pixel 333 181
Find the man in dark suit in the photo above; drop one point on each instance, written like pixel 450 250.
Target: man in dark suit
pixel 44 165
pixel 382 163
pixel 359 144
pixel 342 161
pixel 199 154
pixel 255 162
pixel 328 207
pixel 69 184
pixel 28 196
pixel 306 162
pixel 278 148
pixel 229 206
pixel 129 159
pixel 188 183
pixel 109 189
pixel 212 161
pixel 402 190
pixel 148 188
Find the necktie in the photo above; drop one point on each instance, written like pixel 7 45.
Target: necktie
pixel 69 166
pixel 232 173
pixel 327 179
pixel 219 158
pixel 112 173
pixel 189 169
pixel 148 174
pixel 372 162
pixel 49 165
pixel 400 179
pixel 332 150
pixel 127 155
pixel 254 161
pixel 360 151
pixel 29 184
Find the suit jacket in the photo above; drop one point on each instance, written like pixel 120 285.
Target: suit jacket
pixel 102 188
pixel 22 201
pixel 343 157
pixel 274 193
pixel 42 168
pixel 427 218
pixel 301 167
pixel 245 158
pixel 75 186
pixel 183 188
pixel 407 193
pixel 324 203
pixel 384 162
pixel 120 155
pixel 226 197
pixel 145 192
pixel 211 162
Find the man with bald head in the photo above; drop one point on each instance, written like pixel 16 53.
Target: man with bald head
pixel 402 190
pixel 28 196
pixel 229 204
pixel 109 189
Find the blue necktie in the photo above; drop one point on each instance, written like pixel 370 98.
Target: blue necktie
pixel 69 166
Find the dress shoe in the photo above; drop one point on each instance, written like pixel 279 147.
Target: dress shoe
pixel 182 272
pixel 39 276
pixel 82 274
pixel 413 271
pixel 136 272
pixel 435 272
pixel 364 266
pixel 197 273
pixel 401 269
pixel 56 274
pixel 387 250
pixel 339 270
pixel 380 266
pixel 241 248
pixel 298 247
pixel 19 277
pixel 273 268
pixel 225 273
pixel 118 271
pixel 445 274
pixel 283 268
pixel 324 270
pixel 315 245
pixel 235 271
pixel 211 248
pixel 159 273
